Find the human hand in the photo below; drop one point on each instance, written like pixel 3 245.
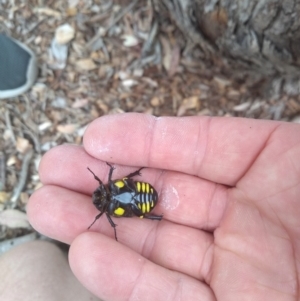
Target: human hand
pixel 229 194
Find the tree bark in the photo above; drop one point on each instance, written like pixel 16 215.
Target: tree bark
pixel 258 35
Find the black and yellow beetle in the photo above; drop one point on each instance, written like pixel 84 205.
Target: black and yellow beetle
pixel 124 198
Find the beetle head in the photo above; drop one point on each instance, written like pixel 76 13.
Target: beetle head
pixel 100 198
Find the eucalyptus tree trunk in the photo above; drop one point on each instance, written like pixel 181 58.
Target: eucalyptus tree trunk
pixel 257 36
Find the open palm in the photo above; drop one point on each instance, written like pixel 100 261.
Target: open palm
pixel 228 190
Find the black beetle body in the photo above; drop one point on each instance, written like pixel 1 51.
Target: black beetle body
pixel 124 198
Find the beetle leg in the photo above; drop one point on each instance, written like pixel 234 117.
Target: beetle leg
pixel 136 173
pixel 112 224
pixel 132 187
pixel 110 172
pixel 97 217
pixel 138 212
pixel 96 178
pixel 154 217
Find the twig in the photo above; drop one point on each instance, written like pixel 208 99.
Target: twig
pixel 114 21
pixel 122 14
pixel 22 179
pixel 149 43
pixel 8 125
pixel 2 171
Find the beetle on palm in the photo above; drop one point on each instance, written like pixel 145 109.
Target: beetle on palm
pixel 124 198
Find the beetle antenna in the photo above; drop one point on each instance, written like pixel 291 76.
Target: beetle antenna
pixel 96 178
pixel 97 217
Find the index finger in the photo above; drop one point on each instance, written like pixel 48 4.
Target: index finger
pixel 217 149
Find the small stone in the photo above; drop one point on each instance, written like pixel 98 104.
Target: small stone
pixel 64 34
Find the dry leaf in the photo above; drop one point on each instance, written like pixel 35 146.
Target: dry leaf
pixel 11 161
pixel 4 196
pixel 47 11
pixel 188 104
pixel 175 58
pixel 80 102
pixel 38 186
pixel 67 128
pixel 71 11
pixel 155 101
pixel 13 218
pixel 45 125
pixel 129 40
pixel 167 53
pixel 24 197
pixel 64 34
pixel 221 82
pixel 242 107
pixel 39 90
pixel 234 94
pixel 86 64
pixel 58 54
pixel 73 3
pixel 22 145
pixel 129 83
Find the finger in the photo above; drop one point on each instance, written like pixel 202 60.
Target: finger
pixel 66 166
pixel 63 215
pixel 217 149
pixel 114 272
pixel 183 198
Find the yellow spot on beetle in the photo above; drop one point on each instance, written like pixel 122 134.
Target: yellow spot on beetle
pixel 138 186
pixel 143 186
pixel 147 187
pixel 119 211
pixel 151 189
pixel 143 208
pixel 139 205
pixel 148 206
pixel 119 184
pixel 152 204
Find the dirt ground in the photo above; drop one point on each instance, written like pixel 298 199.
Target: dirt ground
pixel 101 57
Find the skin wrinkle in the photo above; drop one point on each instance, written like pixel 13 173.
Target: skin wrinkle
pixel 270 137
pixel 160 182
pixel 275 290
pixel 259 152
pixel 210 206
pixel 255 158
pixel 278 192
pixel 296 276
pixel 178 290
pixel 146 239
pixel 197 161
pixel 291 160
pixel 138 279
pixel 266 232
pixel 249 262
pixel 258 266
pixel 151 132
pixel 208 252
